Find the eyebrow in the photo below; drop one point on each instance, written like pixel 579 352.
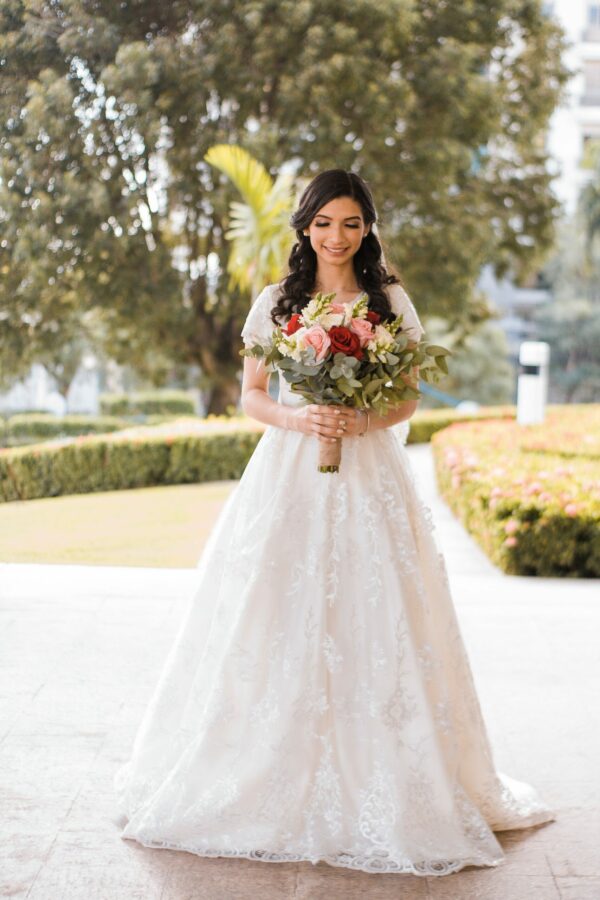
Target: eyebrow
pixel 322 216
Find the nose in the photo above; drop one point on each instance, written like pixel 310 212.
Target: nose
pixel 337 239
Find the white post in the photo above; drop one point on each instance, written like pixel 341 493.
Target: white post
pixel 532 388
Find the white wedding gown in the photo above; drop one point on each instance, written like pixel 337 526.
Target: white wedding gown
pixel 318 702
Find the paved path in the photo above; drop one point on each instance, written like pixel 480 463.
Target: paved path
pixel 81 647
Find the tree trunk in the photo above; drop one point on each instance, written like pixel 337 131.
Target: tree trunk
pixel 224 394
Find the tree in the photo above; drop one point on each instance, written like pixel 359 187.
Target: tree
pixel 570 321
pixel 108 110
pixel 261 243
pixel 479 368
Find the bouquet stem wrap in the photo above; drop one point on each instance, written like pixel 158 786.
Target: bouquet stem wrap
pixel 330 455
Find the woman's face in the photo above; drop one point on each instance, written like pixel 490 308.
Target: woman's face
pixel 337 230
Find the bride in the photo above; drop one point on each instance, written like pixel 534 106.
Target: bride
pixel 318 703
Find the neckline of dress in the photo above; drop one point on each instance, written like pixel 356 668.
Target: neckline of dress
pixel 347 302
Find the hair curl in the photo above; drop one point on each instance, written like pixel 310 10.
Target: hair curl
pixel 371 273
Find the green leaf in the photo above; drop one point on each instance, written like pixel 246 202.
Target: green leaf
pixel 437 350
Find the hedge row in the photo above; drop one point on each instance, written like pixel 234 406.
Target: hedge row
pixel 526 493
pixel 29 428
pixel 148 403
pixel 426 422
pixel 26 428
pixel 177 451
pixel 115 462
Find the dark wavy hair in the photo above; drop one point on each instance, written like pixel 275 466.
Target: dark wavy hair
pixel 371 274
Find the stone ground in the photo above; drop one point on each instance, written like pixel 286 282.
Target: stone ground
pixel 81 647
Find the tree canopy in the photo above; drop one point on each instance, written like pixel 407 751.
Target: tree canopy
pixel 570 322
pixel 107 202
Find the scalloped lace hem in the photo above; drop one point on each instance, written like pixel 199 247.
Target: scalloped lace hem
pixel 371 864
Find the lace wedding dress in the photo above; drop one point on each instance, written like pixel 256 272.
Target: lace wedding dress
pixel 318 703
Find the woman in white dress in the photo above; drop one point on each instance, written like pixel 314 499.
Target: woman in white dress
pixel 318 702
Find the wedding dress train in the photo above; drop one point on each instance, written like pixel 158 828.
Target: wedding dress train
pixel 318 703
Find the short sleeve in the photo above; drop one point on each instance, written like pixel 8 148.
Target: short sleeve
pixel 259 326
pixel 401 303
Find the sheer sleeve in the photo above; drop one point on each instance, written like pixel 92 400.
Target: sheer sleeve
pixel 401 303
pixel 259 326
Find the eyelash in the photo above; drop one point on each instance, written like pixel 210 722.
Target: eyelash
pixel 325 224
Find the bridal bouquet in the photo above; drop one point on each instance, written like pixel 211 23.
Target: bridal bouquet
pixel 332 353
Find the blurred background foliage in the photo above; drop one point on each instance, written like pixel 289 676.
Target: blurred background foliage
pixel 114 222
pixel 570 322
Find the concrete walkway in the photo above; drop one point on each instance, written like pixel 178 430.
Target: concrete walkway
pixel 81 648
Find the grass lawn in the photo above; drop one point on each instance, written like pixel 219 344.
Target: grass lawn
pixel 160 526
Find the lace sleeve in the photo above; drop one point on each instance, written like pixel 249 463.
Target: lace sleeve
pixel 259 326
pixel 401 303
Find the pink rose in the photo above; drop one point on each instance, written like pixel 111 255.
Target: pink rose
pixel 317 337
pixel 452 458
pixel 363 329
pixel 338 308
pixel 534 488
pixel 510 542
pixel 571 509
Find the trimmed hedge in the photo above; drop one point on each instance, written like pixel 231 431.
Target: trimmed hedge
pixel 148 403
pixel 107 463
pixel 176 453
pixel 25 428
pixel 530 495
pixel 426 422
pixel 28 428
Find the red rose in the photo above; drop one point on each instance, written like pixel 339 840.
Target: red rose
pixel 344 341
pixel 293 325
pixel 373 317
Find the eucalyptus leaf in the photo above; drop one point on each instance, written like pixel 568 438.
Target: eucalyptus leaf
pixel 437 350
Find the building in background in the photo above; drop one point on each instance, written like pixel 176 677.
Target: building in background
pixel 574 138
pixel 573 143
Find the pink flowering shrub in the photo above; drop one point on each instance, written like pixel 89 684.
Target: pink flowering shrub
pixel 526 493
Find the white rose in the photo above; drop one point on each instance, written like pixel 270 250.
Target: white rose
pixel 381 339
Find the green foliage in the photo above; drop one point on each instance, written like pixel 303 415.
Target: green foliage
pixel 524 493
pixel 27 428
pixel 210 449
pixel 378 381
pixel 480 370
pixel 426 422
pixel 148 403
pixel 103 464
pixel 570 322
pixel 261 239
pixel 108 203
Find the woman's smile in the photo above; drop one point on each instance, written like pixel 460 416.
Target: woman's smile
pixel 336 251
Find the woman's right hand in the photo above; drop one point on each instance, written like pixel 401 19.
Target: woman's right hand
pixel 315 418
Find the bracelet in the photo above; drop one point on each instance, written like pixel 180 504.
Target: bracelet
pixel 362 433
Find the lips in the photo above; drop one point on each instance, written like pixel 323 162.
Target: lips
pixel 337 252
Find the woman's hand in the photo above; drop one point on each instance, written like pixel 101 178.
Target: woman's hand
pixel 328 422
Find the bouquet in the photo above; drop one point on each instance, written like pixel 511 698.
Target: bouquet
pixel 333 353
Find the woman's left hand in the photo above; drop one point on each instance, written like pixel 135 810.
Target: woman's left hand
pixel 351 421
